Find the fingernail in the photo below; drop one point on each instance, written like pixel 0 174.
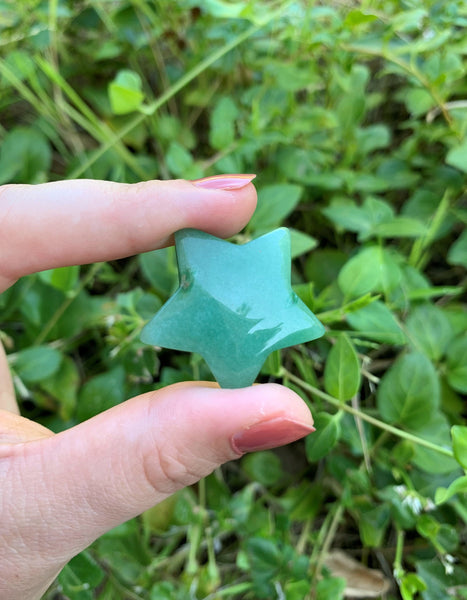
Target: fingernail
pixel 269 434
pixel 224 182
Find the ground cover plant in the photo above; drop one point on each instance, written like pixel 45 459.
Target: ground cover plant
pixel 354 117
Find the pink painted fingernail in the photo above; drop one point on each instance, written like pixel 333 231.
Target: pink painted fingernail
pixel 269 434
pixel 224 182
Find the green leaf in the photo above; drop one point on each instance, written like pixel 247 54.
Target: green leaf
pixel 434 292
pixel 344 213
pixel 457 157
pixel 361 219
pixel 100 393
pixel 457 254
pixel 418 101
pixel 305 500
pixel 163 591
pixel 275 202
pixel 331 588
pixel 301 242
pixel 377 322
pixel 423 205
pixel 297 590
pixel 437 431
pixel 409 391
pixel 86 569
pixel 410 584
pixel 458 486
pixel 351 106
pixel 25 156
pixel 372 269
pixel 322 267
pixel 430 330
pixel 179 160
pixel 62 278
pixel 63 386
pixel 371 138
pixel 459 444
pixel 37 363
pixel 326 436
pixel 409 20
pixel 125 92
pixel 358 17
pixel 342 372
pixel 337 314
pixel 264 467
pixel 438 580
pixel 80 576
pixel 21 63
pixel 324 181
pixel 222 9
pixel 372 522
pixel 400 227
pixel 222 132
pixel 456 364
pixel 402 512
pixel 159 269
pixel 264 555
pixel 447 538
pixel 397 174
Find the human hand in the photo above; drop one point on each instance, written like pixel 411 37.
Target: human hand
pixel 61 492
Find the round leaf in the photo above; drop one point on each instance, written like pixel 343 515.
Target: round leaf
pixel 100 393
pixel 222 132
pixel 36 364
pixel 264 467
pixel 400 227
pixel 372 269
pixel 430 330
pixel 458 486
pixel 457 157
pixel 409 392
pixel 125 92
pixel 342 372
pixel 457 254
pixel 457 364
pixel 459 444
pixel 275 202
pixel 376 322
pixel 325 437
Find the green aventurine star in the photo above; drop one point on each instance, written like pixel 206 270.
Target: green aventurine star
pixel 234 306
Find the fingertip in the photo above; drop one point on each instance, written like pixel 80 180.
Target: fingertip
pixel 220 212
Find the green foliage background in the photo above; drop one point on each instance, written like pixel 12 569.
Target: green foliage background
pixel 354 117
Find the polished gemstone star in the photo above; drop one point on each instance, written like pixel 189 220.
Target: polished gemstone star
pixel 234 306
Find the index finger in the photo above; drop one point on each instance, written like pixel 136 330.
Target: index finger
pixel 82 221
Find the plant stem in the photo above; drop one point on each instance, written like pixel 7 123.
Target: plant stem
pixel 329 537
pixel 376 422
pixel 303 539
pixel 416 258
pixel 236 588
pixel 64 306
pixel 86 118
pixel 397 565
pixel 175 88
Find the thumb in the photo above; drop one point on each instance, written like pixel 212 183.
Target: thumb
pixel 84 481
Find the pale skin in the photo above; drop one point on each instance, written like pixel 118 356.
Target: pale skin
pixel 58 493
